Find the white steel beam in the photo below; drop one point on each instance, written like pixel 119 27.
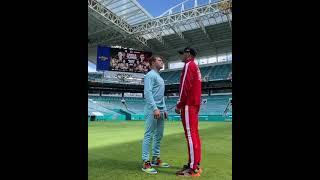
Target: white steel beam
pixel 192 14
pixel 104 14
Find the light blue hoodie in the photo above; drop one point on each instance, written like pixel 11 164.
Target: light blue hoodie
pixel 154 92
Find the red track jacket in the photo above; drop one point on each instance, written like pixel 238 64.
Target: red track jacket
pixel 190 85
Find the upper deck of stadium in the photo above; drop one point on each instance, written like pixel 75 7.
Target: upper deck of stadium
pixel 202 24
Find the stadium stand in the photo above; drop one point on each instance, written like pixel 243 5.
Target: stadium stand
pixel 212 73
pixel 214 106
pixel 97 107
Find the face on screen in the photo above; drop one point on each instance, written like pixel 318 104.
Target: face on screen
pixel 133 61
pixel 142 57
pixel 140 67
pixel 120 55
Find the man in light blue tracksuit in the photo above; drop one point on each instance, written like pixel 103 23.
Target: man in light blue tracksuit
pixel 155 113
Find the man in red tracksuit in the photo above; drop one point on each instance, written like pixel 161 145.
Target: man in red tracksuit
pixel 188 106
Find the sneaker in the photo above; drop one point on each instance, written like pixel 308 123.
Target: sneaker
pixel 146 167
pixel 199 168
pixel 185 167
pixel 189 172
pixel 158 163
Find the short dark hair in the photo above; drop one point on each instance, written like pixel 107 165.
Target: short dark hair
pixel 190 50
pixel 153 58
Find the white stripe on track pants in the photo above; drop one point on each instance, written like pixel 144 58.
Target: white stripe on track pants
pixel 189 115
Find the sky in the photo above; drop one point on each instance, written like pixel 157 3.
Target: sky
pixel 157 7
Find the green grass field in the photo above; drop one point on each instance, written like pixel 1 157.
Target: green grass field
pixel 115 150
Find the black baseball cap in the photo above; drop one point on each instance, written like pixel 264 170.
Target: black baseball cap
pixel 188 49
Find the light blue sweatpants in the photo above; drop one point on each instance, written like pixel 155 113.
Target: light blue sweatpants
pixel 153 128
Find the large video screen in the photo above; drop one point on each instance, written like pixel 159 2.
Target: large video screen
pixel 129 60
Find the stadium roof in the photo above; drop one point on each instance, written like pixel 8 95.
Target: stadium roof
pixel 129 10
pixel 204 25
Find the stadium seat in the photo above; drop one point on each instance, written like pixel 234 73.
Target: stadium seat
pixel 215 104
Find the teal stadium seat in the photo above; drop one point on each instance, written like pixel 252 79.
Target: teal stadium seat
pixel 217 72
pixel 215 105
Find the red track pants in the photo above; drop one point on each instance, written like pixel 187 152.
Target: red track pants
pixel 189 116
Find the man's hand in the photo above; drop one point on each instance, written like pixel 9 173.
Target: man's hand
pixel 156 114
pixel 177 110
pixel 165 115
